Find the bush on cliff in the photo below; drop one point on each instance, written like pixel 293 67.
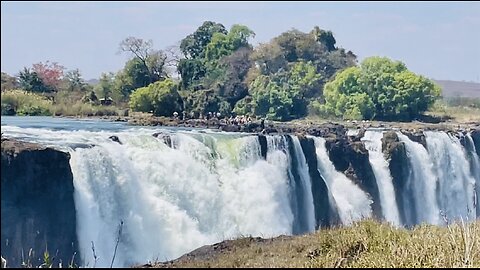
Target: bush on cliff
pixel 379 89
pixel 162 98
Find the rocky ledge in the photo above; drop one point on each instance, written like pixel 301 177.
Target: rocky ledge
pixel 38 210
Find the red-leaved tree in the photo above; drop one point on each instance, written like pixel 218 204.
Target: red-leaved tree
pixel 51 73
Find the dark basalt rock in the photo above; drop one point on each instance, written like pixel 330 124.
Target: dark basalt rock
pixel 476 139
pixel 417 136
pixel 115 139
pixel 37 204
pixel 165 137
pixel 263 145
pixel 400 171
pixel 351 157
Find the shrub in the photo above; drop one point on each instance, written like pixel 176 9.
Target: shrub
pixel 24 103
pixel 379 89
pixel 160 97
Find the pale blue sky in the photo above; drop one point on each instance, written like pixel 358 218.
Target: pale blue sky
pixel 439 40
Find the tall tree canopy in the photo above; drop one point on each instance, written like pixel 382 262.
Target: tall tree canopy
pixel 152 61
pixel 290 71
pixel 216 63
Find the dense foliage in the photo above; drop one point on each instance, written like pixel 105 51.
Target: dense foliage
pixel 291 76
pixel 215 64
pixel 379 89
pixel 161 98
pixel 290 71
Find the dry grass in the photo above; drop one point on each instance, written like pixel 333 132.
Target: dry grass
pixel 460 114
pixel 364 244
pixel 83 109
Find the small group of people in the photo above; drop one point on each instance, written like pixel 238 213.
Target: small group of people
pixel 208 116
pixel 239 120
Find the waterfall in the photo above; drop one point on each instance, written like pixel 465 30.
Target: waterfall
pixel 353 203
pixel 185 189
pixel 455 181
pixel 420 184
pixel 306 185
pixel 388 202
pixel 475 157
pixel 286 153
pixel 475 165
pixel 172 200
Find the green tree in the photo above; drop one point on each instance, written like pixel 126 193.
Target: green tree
pixel 30 81
pixel 379 89
pixel 104 88
pixel 303 76
pixel 152 61
pixel 283 95
pixel 193 45
pixel 74 81
pixel 205 101
pixel 191 71
pixel 204 50
pixel 317 47
pixel 134 75
pixel 277 98
pixel 224 44
pixel 161 98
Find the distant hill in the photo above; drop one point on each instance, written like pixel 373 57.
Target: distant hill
pixel 93 81
pixel 459 89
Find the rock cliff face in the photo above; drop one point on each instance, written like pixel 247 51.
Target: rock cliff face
pixel 476 139
pixel 38 210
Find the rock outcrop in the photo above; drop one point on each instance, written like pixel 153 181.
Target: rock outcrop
pixel 38 210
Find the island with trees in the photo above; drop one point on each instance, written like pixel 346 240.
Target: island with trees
pixel 216 71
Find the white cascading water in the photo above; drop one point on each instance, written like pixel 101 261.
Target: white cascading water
pixel 456 183
pixel 211 187
pixel 475 170
pixel 388 202
pixel 475 157
pixel 302 169
pixel 353 203
pixel 422 182
pixel 174 200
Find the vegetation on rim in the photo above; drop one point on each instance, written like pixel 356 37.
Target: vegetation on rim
pixel 215 69
pixel 366 243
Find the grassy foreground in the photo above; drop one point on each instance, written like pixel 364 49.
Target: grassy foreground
pixel 364 244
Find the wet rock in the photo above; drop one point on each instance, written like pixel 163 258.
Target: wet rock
pixel 37 203
pixel 115 139
pixel 476 139
pixel 351 158
pixel 164 137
